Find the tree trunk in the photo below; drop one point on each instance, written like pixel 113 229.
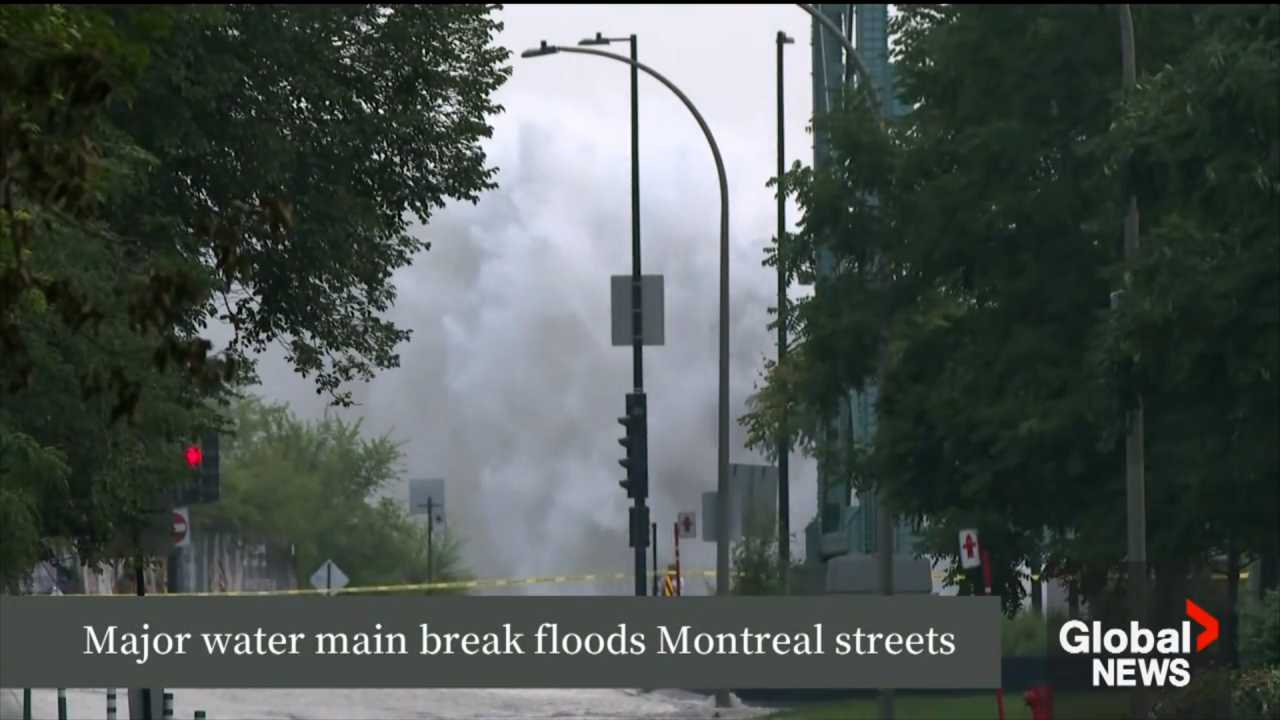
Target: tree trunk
pixel 1037 588
pixel 1268 568
pixel 1233 601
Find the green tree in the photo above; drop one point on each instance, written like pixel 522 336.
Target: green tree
pixel 70 475
pixel 357 119
pixel 314 486
pixel 1199 334
pixel 164 162
pixel 974 246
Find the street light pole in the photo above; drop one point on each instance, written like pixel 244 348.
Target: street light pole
pixel 722 474
pixel 784 449
pixel 637 303
pixel 637 318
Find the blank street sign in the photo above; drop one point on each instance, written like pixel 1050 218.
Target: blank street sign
pixel 650 307
pixel 753 492
pixel 423 489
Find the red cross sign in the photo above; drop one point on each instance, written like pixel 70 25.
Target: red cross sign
pixel 970 556
pixel 688 525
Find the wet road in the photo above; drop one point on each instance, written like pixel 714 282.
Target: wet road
pixel 413 704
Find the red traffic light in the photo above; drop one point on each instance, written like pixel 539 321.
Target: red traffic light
pixel 194 456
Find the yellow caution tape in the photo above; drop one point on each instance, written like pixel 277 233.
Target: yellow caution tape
pixel 414 587
pixel 469 585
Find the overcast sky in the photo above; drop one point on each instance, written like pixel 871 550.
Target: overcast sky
pixel 510 388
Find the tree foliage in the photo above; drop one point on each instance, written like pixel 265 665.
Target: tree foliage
pixel 355 119
pixel 313 486
pixel 975 244
pixel 168 168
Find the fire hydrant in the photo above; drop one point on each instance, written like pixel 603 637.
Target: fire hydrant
pixel 1040 700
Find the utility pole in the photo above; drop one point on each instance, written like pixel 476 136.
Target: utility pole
pixel 1134 447
pixel 653 531
pixel 637 423
pixel 784 448
pixel 722 419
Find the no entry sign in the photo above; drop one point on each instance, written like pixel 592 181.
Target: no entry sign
pixel 181 529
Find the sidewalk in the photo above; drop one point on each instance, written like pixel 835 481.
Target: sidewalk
pixel 10 704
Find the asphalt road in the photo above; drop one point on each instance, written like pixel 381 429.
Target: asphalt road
pixel 392 704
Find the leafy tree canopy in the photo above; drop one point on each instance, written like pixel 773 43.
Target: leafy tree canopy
pixel 975 243
pixel 166 168
pixel 314 486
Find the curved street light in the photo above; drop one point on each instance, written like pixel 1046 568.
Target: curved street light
pixel 722 474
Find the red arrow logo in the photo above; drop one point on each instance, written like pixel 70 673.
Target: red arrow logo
pixel 1206 621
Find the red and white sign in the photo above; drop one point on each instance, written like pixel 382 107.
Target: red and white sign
pixel 970 550
pixel 687 525
pixel 181 529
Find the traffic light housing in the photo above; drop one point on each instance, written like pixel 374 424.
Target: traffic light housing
pixel 636 444
pixel 204 482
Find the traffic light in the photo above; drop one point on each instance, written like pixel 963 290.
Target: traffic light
pixel 205 482
pixel 636 462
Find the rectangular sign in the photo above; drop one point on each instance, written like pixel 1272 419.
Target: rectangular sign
pixel 422 490
pixel 687 525
pixel 969 549
pixel 650 309
pixel 753 499
pixel 349 641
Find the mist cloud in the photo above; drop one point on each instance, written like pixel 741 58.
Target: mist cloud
pixel 510 388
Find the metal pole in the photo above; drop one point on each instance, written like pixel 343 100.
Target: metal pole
pixel 722 474
pixel 637 315
pixel 431 527
pixel 111 704
pixel 62 704
pixel 167 710
pixel 885 559
pixel 1135 480
pixel 26 703
pixel 679 575
pixel 784 486
pixel 653 531
pixel 140 579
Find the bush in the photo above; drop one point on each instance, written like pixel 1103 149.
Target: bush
pixel 1255 694
pixel 1024 635
pixel 1206 698
pixel 1260 631
pixel 757 568
pixel 1252 694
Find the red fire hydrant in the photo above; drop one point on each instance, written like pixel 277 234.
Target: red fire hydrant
pixel 1040 700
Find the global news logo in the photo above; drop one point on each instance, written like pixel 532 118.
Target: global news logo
pixel 1139 656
